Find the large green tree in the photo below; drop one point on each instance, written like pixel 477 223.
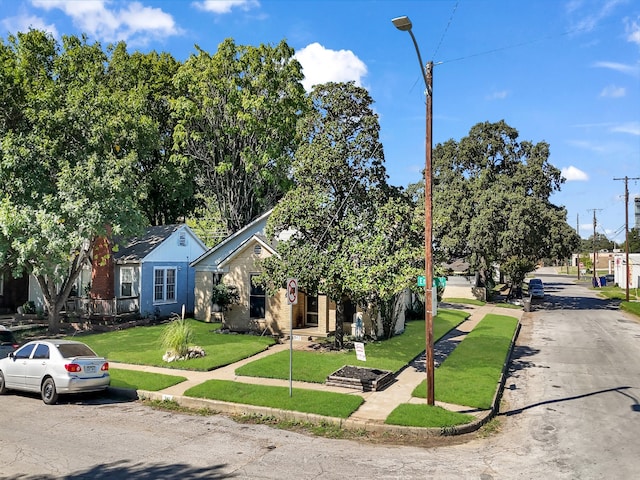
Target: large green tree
pixel 634 241
pixel 165 187
pixel 346 225
pixel 491 200
pixel 65 179
pixel 236 115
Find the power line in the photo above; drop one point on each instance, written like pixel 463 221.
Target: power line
pixel 446 29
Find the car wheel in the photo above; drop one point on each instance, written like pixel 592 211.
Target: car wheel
pixel 48 392
pixel 3 387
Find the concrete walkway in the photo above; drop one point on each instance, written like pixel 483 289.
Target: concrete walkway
pixel 377 405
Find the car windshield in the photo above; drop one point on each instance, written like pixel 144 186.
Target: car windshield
pixel 69 350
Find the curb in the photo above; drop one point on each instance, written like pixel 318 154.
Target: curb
pixel 218 406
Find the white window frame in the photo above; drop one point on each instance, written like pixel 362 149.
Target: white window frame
pixel 124 272
pixel 162 290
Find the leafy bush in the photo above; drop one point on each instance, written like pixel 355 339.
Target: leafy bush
pixel 176 337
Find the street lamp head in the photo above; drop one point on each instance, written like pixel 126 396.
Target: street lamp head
pixel 402 23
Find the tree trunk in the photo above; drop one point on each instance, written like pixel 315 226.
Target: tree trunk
pixel 340 318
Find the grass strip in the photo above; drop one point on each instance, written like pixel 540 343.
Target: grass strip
pixel 392 354
pixel 426 416
pixel 330 404
pixel 470 374
pixel 615 293
pixel 137 380
pixel 631 307
pixel 142 346
pixel 464 301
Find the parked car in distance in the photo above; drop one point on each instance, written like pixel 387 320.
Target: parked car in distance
pixel 8 341
pixel 611 278
pixel 536 291
pixel 54 367
pixel 535 281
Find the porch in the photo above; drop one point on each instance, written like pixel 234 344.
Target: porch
pixel 99 306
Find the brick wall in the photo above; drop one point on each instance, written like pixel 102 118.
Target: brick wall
pixel 102 281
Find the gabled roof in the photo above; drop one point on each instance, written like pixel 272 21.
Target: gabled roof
pixel 137 248
pixel 214 257
pixel 260 239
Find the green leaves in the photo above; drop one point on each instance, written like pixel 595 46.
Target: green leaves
pixel 491 199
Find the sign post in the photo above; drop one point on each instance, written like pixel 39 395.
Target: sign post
pixel 292 299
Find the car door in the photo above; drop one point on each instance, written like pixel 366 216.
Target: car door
pixel 36 367
pixel 15 371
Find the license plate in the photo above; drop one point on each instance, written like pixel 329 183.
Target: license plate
pixel 90 369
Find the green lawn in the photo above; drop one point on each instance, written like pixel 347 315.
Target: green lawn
pixel 137 380
pixel 470 374
pixel 617 293
pixel 330 404
pixel 391 354
pixel 464 301
pixel 426 416
pixel 631 307
pixel 141 346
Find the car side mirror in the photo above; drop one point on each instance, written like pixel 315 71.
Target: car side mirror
pixel 11 355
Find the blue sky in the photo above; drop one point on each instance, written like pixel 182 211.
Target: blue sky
pixel 566 72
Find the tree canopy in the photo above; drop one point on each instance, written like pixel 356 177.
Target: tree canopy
pixel 491 200
pixel 65 179
pixel 236 114
pixel 348 229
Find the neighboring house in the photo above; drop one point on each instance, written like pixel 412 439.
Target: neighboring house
pixel 620 270
pixel 149 275
pixel 235 261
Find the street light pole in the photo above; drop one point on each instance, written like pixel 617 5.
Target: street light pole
pixel 404 24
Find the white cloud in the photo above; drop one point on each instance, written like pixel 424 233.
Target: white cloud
pixel 611 91
pixel 501 95
pixel 593 14
pixel 573 174
pixel 322 65
pixel 633 70
pixel 631 127
pixel 225 6
pixel 633 31
pixel 134 22
pixel 586 145
pixel 22 23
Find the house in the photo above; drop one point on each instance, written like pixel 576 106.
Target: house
pixel 149 275
pixel 235 261
pixel 620 270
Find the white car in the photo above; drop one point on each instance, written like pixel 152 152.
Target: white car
pixel 54 367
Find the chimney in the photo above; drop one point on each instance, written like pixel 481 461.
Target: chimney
pixel 102 272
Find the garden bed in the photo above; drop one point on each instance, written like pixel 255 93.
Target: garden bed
pixel 361 378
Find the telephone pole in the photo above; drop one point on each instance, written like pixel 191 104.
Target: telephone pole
pixel 579 248
pixel 595 258
pixel 626 229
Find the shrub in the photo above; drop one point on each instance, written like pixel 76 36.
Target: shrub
pixel 176 337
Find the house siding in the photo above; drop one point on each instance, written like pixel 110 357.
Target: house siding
pixel 184 282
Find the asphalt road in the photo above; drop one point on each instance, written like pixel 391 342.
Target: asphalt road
pixel 571 409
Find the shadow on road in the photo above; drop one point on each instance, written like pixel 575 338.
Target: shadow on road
pixel 135 471
pixel 575 397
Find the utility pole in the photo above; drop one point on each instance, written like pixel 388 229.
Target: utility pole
pixel 579 248
pixel 626 229
pixel 595 259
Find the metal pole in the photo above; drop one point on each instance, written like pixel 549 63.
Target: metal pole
pixel 290 349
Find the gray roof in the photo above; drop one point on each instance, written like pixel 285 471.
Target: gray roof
pixel 135 249
pixel 216 255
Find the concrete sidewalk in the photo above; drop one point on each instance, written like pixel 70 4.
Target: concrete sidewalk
pixel 377 405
